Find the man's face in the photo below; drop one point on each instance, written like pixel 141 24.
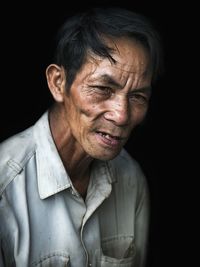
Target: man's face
pixel 107 100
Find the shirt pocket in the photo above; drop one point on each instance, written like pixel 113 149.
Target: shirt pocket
pixel 117 252
pixel 57 259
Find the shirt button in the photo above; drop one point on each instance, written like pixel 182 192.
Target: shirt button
pixel 90 265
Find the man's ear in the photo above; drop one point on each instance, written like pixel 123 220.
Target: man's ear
pixel 56 81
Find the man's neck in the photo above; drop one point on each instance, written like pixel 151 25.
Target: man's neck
pixel 76 161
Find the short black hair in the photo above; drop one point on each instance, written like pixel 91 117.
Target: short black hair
pixel 86 31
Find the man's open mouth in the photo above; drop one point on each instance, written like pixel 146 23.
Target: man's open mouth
pixel 109 136
pixel 108 139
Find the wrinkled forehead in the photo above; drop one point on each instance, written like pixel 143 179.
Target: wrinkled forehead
pixel 122 68
pixel 129 55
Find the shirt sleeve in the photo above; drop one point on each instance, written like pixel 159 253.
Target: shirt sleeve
pixel 1 256
pixel 142 224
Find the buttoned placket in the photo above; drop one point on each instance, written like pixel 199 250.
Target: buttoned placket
pixel 93 200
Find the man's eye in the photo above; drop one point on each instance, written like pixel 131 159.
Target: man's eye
pixel 103 90
pixel 139 98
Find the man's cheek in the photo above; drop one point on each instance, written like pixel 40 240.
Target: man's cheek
pixel 89 110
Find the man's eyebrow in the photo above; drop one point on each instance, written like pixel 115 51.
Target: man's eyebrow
pixel 110 81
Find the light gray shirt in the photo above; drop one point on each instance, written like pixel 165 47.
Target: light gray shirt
pixel 45 222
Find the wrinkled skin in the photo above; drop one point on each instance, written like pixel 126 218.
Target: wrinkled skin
pixel 105 103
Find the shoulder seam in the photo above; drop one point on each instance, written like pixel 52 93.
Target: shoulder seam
pixel 16 168
pixel 14 165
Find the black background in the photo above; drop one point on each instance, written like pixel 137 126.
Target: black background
pixel 27 33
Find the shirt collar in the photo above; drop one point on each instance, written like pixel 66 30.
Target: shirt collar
pixel 52 176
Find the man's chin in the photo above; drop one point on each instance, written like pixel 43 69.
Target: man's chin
pixel 106 156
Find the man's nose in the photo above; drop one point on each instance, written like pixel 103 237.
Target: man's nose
pixel 118 111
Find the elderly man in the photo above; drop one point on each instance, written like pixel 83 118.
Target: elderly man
pixel 70 194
